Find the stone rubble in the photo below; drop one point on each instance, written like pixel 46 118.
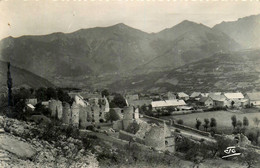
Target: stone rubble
pixel 38 153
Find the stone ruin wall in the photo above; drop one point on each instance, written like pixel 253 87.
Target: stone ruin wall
pixel 75 115
pixel 56 108
pixel 155 138
pixel 66 116
pixel 82 117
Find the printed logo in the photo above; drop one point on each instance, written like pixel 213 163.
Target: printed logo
pixel 231 151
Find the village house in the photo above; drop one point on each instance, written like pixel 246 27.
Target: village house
pixel 203 95
pixel 32 101
pixel 80 100
pixel 195 95
pixel 139 103
pixel 45 103
pixel 235 99
pixel 253 98
pixel 206 101
pixel 183 96
pixel 168 96
pixel 167 103
pixel 30 107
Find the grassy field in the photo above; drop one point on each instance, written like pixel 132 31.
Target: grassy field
pixel 223 119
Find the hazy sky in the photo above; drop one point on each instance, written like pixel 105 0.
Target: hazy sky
pixel 32 17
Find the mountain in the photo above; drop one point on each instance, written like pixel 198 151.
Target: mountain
pixel 188 42
pixel 88 56
pixel 233 71
pixel 245 30
pixel 21 78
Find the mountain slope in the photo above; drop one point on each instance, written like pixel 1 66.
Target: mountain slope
pixel 222 72
pixel 188 42
pixel 245 30
pixel 83 53
pixel 76 58
pixel 21 77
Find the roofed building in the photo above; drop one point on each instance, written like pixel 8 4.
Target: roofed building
pixel 253 98
pixel 232 96
pixel 206 101
pixel 139 103
pixel 182 95
pixel 168 103
pixel 195 95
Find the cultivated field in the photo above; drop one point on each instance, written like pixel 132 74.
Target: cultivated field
pixel 223 119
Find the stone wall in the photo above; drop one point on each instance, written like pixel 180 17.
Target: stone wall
pixel 66 116
pixel 56 108
pixel 155 138
pixel 75 114
pixel 118 125
pixel 130 137
pixel 82 117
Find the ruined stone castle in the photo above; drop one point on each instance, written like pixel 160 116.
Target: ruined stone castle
pixel 80 113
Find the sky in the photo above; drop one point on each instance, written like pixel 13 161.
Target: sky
pixel 38 17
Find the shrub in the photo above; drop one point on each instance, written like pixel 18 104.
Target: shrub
pixel 180 121
pixel 177 130
pixel 133 128
pixel 90 127
pixel 112 116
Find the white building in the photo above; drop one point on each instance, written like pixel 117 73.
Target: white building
pixel 253 98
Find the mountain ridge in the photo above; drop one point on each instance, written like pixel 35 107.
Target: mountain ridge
pixel 117 51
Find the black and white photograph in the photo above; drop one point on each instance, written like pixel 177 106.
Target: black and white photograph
pixel 129 83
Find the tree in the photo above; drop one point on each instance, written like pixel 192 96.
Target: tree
pixel 245 122
pixel 112 116
pixel 9 85
pixel 42 109
pixel 40 94
pixel 238 129
pixel 51 93
pixel 198 124
pixel 133 128
pixel 23 93
pixel 105 93
pixel 64 96
pixel 256 121
pixel 206 124
pixel 234 121
pixel 232 104
pixel 119 101
pixel 180 121
pixel 239 123
pixel 143 109
pixel 213 122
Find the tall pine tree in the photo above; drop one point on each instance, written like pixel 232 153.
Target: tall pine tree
pixel 9 85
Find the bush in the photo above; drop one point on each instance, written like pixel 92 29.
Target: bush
pixel 180 121
pixel 90 127
pixel 133 128
pixel 177 130
pixel 112 116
